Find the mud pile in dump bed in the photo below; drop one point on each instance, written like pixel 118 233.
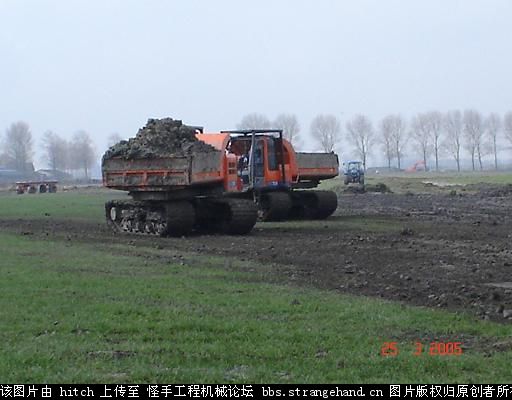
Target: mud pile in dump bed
pixel 159 138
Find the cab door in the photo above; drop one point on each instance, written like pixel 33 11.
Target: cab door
pixel 257 163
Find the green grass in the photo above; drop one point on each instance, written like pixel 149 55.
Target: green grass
pixel 74 312
pixel 499 178
pixel 73 204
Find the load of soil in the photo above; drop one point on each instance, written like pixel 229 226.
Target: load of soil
pixel 159 138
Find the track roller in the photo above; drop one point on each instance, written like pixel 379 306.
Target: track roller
pixel 113 212
pixel 274 206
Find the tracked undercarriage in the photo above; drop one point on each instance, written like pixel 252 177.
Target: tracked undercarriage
pixel 220 215
pixel 177 218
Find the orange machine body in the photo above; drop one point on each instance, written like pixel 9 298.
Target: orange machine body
pixel 272 174
pixel 243 176
pixel 278 167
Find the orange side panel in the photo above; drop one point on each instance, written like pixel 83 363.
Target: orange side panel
pixel 317 171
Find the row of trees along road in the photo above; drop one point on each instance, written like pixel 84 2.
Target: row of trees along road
pixel 430 134
pixel 427 135
pixel 17 151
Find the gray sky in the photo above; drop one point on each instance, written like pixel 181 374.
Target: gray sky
pixel 107 66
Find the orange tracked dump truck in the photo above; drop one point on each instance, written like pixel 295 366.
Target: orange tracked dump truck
pixel 250 174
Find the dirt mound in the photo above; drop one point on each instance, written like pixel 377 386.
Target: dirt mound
pixel 159 138
pixel 378 187
pixel 360 189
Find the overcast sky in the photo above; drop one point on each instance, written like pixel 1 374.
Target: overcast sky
pixel 108 66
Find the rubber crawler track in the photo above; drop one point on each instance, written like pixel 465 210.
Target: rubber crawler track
pixel 180 218
pixel 241 216
pixel 274 206
pixel 327 202
pixel 313 204
pixel 163 219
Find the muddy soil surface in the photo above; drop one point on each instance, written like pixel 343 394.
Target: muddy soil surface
pixel 446 251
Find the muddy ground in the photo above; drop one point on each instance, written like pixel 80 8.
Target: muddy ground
pixel 449 250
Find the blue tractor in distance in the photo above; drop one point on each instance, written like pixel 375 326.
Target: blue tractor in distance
pixel 354 172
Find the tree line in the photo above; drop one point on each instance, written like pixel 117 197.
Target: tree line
pixel 59 154
pixel 426 135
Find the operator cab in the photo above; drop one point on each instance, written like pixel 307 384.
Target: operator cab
pixel 263 159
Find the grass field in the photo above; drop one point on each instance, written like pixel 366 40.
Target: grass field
pixel 73 204
pixel 419 181
pixel 82 312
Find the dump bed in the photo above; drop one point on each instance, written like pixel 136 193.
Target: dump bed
pixel 316 166
pixel 163 173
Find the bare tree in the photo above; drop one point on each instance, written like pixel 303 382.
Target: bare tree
pixel 254 121
pixel 507 126
pixel 452 123
pixel 361 130
pixel 82 149
pixel 386 139
pixel 392 129
pixel 435 120
pixel 420 134
pixel 290 126
pixel 113 138
pixel 55 151
pixel 18 146
pixel 399 137
pixel 493 127
pixel 473 133
pixel 326 130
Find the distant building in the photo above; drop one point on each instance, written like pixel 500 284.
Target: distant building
pixel 8 175
pixel 28 168
pixel 57 175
